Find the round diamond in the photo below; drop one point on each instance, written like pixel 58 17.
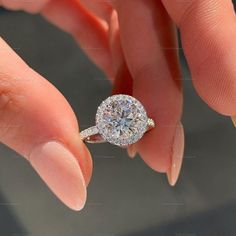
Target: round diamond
pixel 121 120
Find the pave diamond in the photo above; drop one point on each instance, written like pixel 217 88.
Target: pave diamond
pixel 88 132
pixel 121 120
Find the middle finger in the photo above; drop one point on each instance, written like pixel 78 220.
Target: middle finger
pixel 149 44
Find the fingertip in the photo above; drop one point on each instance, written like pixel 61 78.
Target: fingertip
pixel 60 170
pixel 132 151
pixel 176 156
pixel 234 120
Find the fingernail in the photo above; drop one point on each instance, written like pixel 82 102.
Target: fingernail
pixel 58 167
pixel 177 155
pixel 234 120
pixel 132 151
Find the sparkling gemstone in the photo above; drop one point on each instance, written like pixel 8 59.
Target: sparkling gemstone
pixel 121 120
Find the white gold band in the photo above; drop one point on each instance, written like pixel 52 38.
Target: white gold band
pixel 91 135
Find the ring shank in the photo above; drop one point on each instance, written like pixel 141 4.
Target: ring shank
pixel 91 135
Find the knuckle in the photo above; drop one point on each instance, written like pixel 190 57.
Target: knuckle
pixel 194 12
pixel 9 107
pixel 218 91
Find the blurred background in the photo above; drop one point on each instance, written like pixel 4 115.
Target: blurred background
pixel 125 197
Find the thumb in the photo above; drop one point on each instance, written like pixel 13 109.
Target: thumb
pixel 38 123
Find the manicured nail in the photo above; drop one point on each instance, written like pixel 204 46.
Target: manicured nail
pixel 57 166
pixel 132 151
pixel 177 155
pixel 234 120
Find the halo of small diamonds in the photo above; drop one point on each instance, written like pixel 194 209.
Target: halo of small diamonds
pixel 121 120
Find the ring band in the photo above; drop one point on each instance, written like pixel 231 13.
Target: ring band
pixel 91 135
pixel 120 120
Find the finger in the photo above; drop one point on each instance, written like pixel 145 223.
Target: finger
pixel 114 42
pixel 123 81
pixel 89 32
pixel 38 123
pixel 208 30
pixel 153 70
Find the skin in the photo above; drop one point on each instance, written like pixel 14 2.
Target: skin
pixel 138 54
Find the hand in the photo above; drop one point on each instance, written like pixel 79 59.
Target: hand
pixel 144 62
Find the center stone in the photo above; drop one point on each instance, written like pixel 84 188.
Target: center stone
pixel 121 120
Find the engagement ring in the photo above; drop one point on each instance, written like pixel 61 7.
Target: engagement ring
pixel 120 120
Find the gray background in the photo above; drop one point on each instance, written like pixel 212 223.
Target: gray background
pixel 125 197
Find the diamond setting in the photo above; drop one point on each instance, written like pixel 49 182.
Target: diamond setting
pixel 121 120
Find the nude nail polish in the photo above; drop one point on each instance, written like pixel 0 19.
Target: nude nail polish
pixel 60 170
pixel 234 120
pixel 177 155
pixel 132 151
